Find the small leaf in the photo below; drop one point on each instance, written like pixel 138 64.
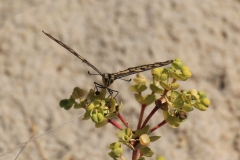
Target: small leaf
pixel 165 85
pixel 63 103
pixel 102 123
pixel 139 98
pixel 144 130
pixel 103 93
pixel 138 88
pixel 156 89
pixel 90 94
pixel 149 99
pixel 86 116
pixel 77 93
pixel 147 152
pixel 178 102
pixel 69 104
pixel 140 81
pixel 154 138
pixel 170 119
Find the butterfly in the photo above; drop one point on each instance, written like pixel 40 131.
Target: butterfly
pixel 109 78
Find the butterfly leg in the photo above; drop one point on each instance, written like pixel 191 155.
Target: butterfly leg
pixel 98 86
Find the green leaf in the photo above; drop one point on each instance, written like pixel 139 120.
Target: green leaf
pixel 156 89
pixel 138 88
pixel 144 130
pixel 171 120
pixel 154 138
pixel 149 99
pixel 69 104
pixel 125 134
pixel 63 103
pixel 103 93
pixel 77 93
pixel 90 94
pixel 102 123
pixel 117 150
pixel 139 98
pixel 178 102
pixel 165 85
pixel 86 115
pixel 142 158
pixel 147 152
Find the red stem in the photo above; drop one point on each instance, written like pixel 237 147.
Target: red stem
pixel 141 116
pixel 123 120
pixel 114 123
pixel 158 126
pixel 149 116
pixel 154 109
pixel 135 155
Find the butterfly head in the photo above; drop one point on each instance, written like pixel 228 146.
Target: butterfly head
pixel 107 79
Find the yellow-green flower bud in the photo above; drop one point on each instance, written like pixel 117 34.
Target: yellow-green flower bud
pixel 186 72
pixel 174 86
pixel 187 107
pixel 97 117
pixel 156 72
pixel 205 102
pixel 90 107
pixel 144 140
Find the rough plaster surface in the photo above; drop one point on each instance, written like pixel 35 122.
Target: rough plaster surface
pixel 35 73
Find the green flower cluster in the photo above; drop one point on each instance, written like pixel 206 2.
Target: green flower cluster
pixel 98 107
pixel 175 104
pixel 138 139
pixel 164 91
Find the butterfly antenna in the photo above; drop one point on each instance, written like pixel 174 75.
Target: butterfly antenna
pixel 128 80
pixel 92 73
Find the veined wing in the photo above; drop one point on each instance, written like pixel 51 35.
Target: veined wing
pixel 73 52
pixel 138 69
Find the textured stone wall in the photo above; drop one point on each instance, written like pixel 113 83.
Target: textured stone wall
pixel 36 73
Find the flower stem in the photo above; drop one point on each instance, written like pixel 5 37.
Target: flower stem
pixel 114 123
pixel 149 116
pixel 158 126
pixel 135 155
pixel 141 116
pixel 123 120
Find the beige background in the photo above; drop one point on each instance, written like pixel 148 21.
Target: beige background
pixel 36 73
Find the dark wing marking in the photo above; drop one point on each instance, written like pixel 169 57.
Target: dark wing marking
pixel 73 52
pixel 138 69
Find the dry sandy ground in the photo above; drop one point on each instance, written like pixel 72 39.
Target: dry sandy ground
pixel 36 73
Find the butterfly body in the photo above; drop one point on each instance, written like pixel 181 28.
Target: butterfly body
pixel 108 78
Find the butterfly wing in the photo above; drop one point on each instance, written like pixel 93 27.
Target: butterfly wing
pixel 138 69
